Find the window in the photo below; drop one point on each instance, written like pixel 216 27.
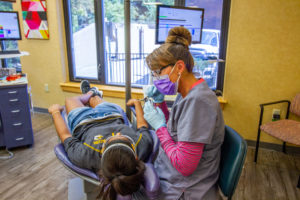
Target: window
pixel 9 44
pixel 99 55
pixel 95 39
pixel 143 15
pixel 213 44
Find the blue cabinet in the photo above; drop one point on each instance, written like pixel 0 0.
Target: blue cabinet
pixel 15 116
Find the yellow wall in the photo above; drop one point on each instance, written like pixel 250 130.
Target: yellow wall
pixel 262 63
pixel 46 62
pixel 263 60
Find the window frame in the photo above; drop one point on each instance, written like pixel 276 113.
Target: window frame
pixel 100 46
pixel 223 44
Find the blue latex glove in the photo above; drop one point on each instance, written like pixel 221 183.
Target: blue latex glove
pixel 154 116
pixel 152 91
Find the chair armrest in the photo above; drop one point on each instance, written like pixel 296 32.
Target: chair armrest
pixel 275 102
pixel 151 181
pixel 272 103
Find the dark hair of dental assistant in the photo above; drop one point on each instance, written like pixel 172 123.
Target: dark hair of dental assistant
pixel 122 172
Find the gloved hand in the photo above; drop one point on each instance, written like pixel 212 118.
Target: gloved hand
pixel 154 116
pixel 152 91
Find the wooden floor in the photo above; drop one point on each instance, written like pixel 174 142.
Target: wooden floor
pixel 35 174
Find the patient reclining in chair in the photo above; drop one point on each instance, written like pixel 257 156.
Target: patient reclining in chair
pixel 96 138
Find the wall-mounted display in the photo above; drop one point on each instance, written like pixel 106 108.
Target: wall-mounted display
pixel 35 19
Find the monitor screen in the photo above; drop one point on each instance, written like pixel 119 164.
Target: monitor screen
pixel 168 17
pixel 9 26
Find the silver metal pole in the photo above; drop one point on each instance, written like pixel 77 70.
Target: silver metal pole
pixel 127 55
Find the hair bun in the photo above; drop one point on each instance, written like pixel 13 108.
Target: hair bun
pixel 179 35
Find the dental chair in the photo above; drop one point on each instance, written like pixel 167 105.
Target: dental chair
pixel 85 187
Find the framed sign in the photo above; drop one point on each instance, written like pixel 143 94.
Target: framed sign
pixel 35 19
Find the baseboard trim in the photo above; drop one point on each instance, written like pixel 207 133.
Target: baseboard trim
pixel 276 147
pixel 41 110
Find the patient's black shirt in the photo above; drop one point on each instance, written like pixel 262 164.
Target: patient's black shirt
pixel 84 147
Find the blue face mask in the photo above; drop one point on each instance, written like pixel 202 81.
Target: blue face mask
pixel 165 85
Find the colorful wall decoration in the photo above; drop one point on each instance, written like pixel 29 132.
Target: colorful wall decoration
pixel 35 19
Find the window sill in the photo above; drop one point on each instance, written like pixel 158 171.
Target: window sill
pixel 222 102
pixel 118 92
pixel 108 90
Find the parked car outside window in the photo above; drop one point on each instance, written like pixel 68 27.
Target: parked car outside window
pixel 205 52
pixel 209 47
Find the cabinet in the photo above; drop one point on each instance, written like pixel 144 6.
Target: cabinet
pixel 15 116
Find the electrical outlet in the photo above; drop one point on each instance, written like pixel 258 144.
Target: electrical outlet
pixel 275 114
pixel 46 87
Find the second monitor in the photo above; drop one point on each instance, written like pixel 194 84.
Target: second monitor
pixel 168 17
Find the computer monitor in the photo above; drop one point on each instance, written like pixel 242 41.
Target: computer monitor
pixel 9 26
pixel 168 17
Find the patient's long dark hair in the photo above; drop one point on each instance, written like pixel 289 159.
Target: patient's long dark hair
pixel 122 173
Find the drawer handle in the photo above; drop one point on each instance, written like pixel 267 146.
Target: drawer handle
pixel 20 138
pixel 12 92
pixel 13 100
pixel 15 111
pixel 17 124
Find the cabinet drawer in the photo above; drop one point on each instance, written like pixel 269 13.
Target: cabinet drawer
pixel 18 138
pixel 14 101
pixel 14 104
pixel 17 113
pixel 17 117
pixel 17 125
pixel 13 92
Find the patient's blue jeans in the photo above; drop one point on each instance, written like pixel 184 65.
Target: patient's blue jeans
pixel 101 111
